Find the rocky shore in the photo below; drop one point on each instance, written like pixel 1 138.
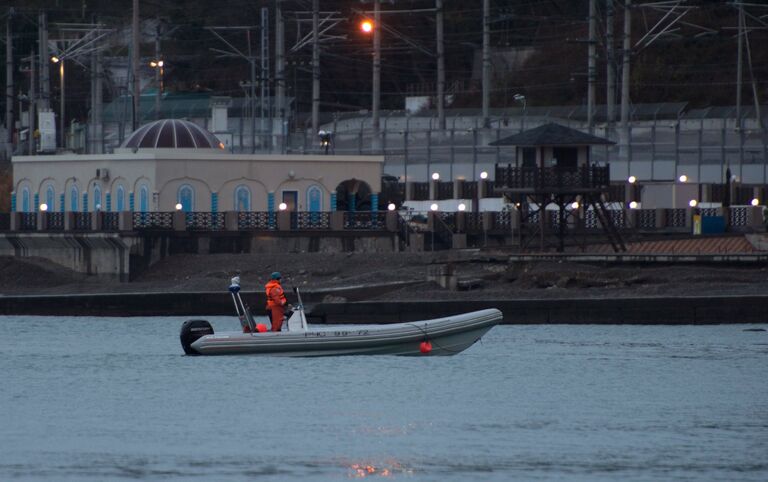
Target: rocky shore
pixel 478 274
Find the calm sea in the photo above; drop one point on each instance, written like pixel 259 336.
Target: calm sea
pixel 114 398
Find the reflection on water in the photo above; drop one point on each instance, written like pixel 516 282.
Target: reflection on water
pixel 114 399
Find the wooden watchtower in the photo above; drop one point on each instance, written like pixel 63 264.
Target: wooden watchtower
pixel 553 165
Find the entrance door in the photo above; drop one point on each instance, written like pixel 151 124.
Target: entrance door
pixel 291 199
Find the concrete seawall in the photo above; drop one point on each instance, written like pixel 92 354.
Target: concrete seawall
pixel 657 310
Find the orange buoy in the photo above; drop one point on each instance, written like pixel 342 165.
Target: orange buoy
pixel 261 327
pixel 425 347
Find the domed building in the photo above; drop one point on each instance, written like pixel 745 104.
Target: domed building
pixel 172 161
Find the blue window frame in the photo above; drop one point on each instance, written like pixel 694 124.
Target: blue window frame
pixel 314 199
pixel 74 198
pixel 25 201
pixel 120 199
pixel 97 206
pixel 242 198
pixel 50 198
pixel 144 199
pixel 186 197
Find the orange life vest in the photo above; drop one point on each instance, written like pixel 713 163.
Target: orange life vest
pixel 275 295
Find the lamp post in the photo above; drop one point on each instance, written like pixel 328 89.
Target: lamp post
pixel 60 61
pixel 158 65
pixel 521 98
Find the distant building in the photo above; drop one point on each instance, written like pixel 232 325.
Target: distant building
pixel 171 161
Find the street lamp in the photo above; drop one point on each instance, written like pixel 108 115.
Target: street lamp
pixel 60 61
pixel 683 178
pixel 391 206
pixel 179 206
pixel 158 65
pixel 435 176
pixel 632 179
pixel 282 206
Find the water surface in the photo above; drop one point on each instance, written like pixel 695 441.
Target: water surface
pixel 113 398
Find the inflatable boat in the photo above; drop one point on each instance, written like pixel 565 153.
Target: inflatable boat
pixel 442 336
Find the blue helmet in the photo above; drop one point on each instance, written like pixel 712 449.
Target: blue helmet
pixel 275 275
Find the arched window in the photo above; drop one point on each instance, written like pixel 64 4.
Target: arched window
pixel 50 198
pixel 144 199
pixel 97 206
pixel 242 198
pixel 120 198
pixel 186 197
pixel 314 199
pixel 25 201
pixel 74 198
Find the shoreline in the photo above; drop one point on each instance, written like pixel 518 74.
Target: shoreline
pixel 644 310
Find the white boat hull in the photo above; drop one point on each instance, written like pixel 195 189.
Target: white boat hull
pixel 447 336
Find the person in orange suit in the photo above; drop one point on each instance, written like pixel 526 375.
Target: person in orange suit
pixel 276 301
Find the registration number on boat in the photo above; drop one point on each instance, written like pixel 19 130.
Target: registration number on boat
pixel 336 333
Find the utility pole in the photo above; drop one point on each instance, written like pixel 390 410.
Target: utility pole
pixel 376 72
pixel 625 69
pixel 440 66
pixel 280 71
pixel 32 102
pixel 591 66
pixel 755 97
pixel 135 66
pixel 740 61
pixel 9 84
pixel 98 126
pixel 486 62
pixel 264 107
pixel 610 62
pixel 315 66
pixel 158 71
pixel 45 76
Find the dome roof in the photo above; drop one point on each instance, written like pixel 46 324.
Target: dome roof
pixel 172 133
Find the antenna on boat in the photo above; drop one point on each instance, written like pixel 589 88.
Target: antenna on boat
pixel 242 310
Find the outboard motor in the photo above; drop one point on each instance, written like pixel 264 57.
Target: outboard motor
pixel 191 331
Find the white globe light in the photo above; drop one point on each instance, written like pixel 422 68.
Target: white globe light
pixel 43 207
pixel 435 176
pixel 755 202
pixel 575 205
pixel 692 203
pixel 462 207
pixel 484 175
pixel 633 205
pixel 683 178
pixel 179 206
pixel 433 207
pixel 391 206
pixel 632 179
pixel 282 206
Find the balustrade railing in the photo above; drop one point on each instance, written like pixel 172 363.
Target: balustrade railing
pixel 444 190
pixel 256 220
pixel 54 221
pixel 153 220
pixel 110 221
pixel 420 191
pixel 82 221
pixel 646 218
pixel 675 218
pixel 311 220
pixel 204 221
pixel 28 222
pixel 543 178
pixel 738 216
pixel 365 220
